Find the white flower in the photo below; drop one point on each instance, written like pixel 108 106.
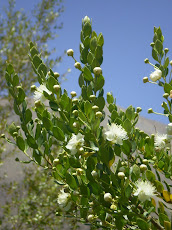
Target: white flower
pixel 116 134
pixel 156 75
pixel 75 143
pixel 145 190
pixel 63 198
pixel 38 94
pixel 160 140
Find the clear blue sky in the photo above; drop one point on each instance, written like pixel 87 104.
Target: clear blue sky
pixel 127 26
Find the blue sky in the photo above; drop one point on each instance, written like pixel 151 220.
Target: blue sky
pixel 127 26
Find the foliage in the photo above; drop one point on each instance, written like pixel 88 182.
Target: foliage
pixel 106 175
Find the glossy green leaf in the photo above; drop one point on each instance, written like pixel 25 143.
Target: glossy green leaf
pixel 159 46
pixel 100 40
pixel 28 116
pixel 167 88
pixel 166 62
pixel 33 52
pixel 127 125
pixel 20 143
pixel 150 176
pixel 53 105
pixel 86 42
pixel 15 80
pixel 93 44
pixel 90 57
pixel 58 133
pixel 143 225
pixel 99 83
pixel 83 56
pixel 71 181
pixel 36 61
pixel 10 69
pixel 87 29
pixel 126 147
pixel 155 55
pixel 87 74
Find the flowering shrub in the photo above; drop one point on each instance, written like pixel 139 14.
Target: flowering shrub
pixel 109 176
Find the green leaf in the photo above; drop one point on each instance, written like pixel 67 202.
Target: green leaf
pixel 159 46
pixel 114 115
pixel 110 98
pixel 81 80
pixel 10 69
pixel 31 142
pixel 100 102
pixel 20 143
pixel 155 55
pixel 93 44
pixel 36 61
pixel 47 123
pixel 33 52
pixel 126 147
pixel 51 82
pixel 71 181
pixel 86 42
pixel 159 186
pixel 127 125
pixel 150 176
pixel 28 116
pixel 95 63
pixel 100 39
pixel 87 108
pixel 64 101
pixel 87 74
pixel 162 218
pixel 136 172
pixel 98 52
pixel 166 62
pixel 53 105
pixel 143 225
pixel 42 69
pixel 38 131
pixel 167 88
pixel 83 56
pixel 130 113
pixel 15 80
pixel 87 29
pixel 58 133
pixel 37 156
pixel 99 83
pixel 21 96
pixel 90 57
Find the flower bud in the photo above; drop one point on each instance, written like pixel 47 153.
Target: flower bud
pixel 146 60
pixel 37 103
pixel 86 19
pixel 92 97
pixel 150 110
pixel 171 62
pixel 143 167
pixel 169 129
pixel 56 75
pixel 94 174
pixel 79 171
pixel 70 52
pixel 166 50
pixel 56 161
pixel 154 158
pixel 138 109
pixel 77 65
pixel 75 113
pixel 90 218
pixel 98 114
pixel 33 88
pixel 121 175
pixel 113 207
pixel 165 95
pixel 145 79
pixel 19 87
pixel 73 94
pixel 75 125
pixel 145 161
pixel 81 150
pixel 2 135
pixel 75 100
pixel 56 88
pixel 49 73
pixel 36 120
pixel 108 197
pixel 97 71
pixel 15 134
pixel 152 44
pixel 17 127
pixel 95 108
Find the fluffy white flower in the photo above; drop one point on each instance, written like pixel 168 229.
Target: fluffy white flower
pixel 38 94
pixel 63 198
pixel 75 143
pixel 156 75
pixel 116 134
pixel 160 140
pixel 145 190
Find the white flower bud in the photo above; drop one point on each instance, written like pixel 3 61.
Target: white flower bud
pixel 77 65
pixel 138 109
pixel 98 114
pixel 145 161
pixel 94 174
pixel 171 62
pixel 97 71
pixel 56 87
pixel 108 197
pixel 75 112
pixel 150 110
pixel 156 75
pixel 2 135
pixel 73 94
pixel 145 79
pixel 113 207
pixel 75 100
pixel 75 124
pixel 56 161
pixel 121 175
pixel 92 97
pixel 143 167
pixel 86 19
pixel 166 50
pixel 95 108
pixel 70 52
pixel 146 60
pixel 79 171
pixel 165 95
pixel 90 218
pixel 56 75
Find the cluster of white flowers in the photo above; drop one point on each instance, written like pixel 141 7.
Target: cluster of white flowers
pixel 75 143
pixel 38 94
pixel 63 200
pixel 145 190
pixel 160 141
pixel 116 134
pixel 156 75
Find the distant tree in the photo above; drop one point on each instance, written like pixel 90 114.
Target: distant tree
pixel 18 28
